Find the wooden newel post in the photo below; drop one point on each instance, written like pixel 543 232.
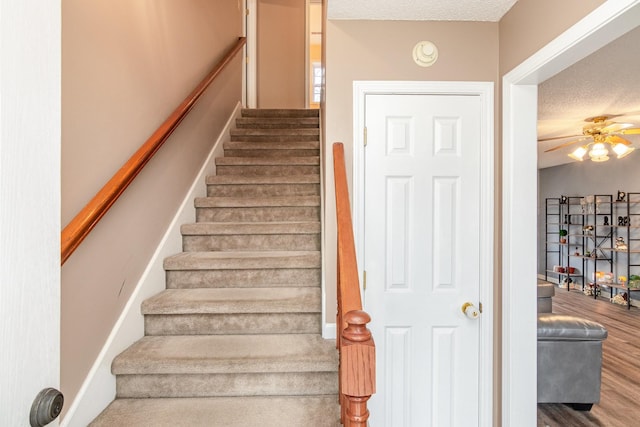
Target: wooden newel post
pixel 357 368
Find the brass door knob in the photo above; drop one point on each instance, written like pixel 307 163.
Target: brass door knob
pixel 470 310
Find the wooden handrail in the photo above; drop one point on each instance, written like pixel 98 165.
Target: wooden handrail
pixel 357 377
pixel 82 224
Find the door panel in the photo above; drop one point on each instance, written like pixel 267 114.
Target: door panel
pixel 421 255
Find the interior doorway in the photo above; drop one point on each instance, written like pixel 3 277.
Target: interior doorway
pixel 283 56
pixel 315 68
pixel 519 195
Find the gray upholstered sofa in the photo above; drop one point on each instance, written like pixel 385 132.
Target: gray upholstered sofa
pixel 569 360
pixel 546 291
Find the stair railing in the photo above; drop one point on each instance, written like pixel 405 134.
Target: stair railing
pixel 82 224
pixel 357 376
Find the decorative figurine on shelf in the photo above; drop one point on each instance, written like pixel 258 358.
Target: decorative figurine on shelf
pixel 621 245
pixel 577 253
pixel 623 221
pixel 621 196
pixel 587 229
pixel 563 233
pixel 563 200
pixel 606 220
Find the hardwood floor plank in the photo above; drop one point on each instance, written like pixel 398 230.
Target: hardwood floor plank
pixel 620 390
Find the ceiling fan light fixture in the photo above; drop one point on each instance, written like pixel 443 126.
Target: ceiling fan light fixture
pixel 578 153
pixel 599 151
pixel 622 150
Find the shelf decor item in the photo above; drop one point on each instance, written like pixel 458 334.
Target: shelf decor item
pixel 563 233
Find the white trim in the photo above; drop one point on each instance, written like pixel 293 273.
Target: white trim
pixel 307 54
pixel 251 54
pixel 329 331
pixel 99 387
pixel 485 90
pixel 612 19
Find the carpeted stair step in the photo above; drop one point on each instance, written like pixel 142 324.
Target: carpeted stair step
pixel 252 411
pixel 261 209
pixel 227 365
pixel 257 236
pixel 189 270
pixel 267 112
pixel 275 132
pixel 262 186
pixel 268 165
pixel 277 122
pixel 275 137
pixel 271 149
pixel 233 311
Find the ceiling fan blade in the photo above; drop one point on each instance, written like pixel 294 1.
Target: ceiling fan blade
pixel 565 144
pixel 630 131
pixel 615 139
pixel 558 137
pixel 616 127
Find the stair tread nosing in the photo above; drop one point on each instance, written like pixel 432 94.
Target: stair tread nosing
pixel 285 145
pixel 243 202
pixel 268 161
pixel 242 260
pixel 234 300
pixel 245 411
pixel 227 354
pixel 279 112
pixel 263 179
pixel 250 228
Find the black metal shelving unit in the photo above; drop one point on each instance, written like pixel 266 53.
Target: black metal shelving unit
pixel 552 215
pixel 626 225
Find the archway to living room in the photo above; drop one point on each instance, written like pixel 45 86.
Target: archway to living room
pixel 520 91
pixel 592 196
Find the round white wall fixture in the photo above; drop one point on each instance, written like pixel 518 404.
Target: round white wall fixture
pixel 425 53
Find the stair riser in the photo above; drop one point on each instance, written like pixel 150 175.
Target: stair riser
pixel 287 242
pixel 289 113
pixel 270 152
pixel 250 278
pixel 267 170
pixel 271 124
pixel 205 385
pixel 275 138
pixel 262 190
pixel 262 214
pixel 269 411
pixel 219 324
pixel 275 132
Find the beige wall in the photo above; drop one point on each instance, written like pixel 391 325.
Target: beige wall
pixel 381 50
pixel 281 53
pixel 125 66
pixel 531 24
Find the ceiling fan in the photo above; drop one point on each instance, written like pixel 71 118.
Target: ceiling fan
pixel 598 132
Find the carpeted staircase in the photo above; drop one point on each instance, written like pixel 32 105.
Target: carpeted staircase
pixel 235 339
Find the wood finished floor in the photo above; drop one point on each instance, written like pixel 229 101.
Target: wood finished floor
pixel 620 395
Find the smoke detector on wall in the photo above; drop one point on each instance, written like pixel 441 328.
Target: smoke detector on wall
pixel 425 53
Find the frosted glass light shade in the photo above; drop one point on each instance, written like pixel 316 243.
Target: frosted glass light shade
pixel 622 150
pixel 599 151
pixel 578 153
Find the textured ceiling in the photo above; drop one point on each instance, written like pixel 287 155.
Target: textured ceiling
pixel 604 83
pixel 419 10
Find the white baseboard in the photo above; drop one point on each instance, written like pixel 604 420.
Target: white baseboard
pixel 99 387
pixel 329 331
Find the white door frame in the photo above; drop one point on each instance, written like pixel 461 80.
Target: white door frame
pixel 30 141
pixel 250 59
pixel 519 196
pixel 485 90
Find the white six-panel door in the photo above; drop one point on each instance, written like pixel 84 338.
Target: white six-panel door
pixel 422 257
